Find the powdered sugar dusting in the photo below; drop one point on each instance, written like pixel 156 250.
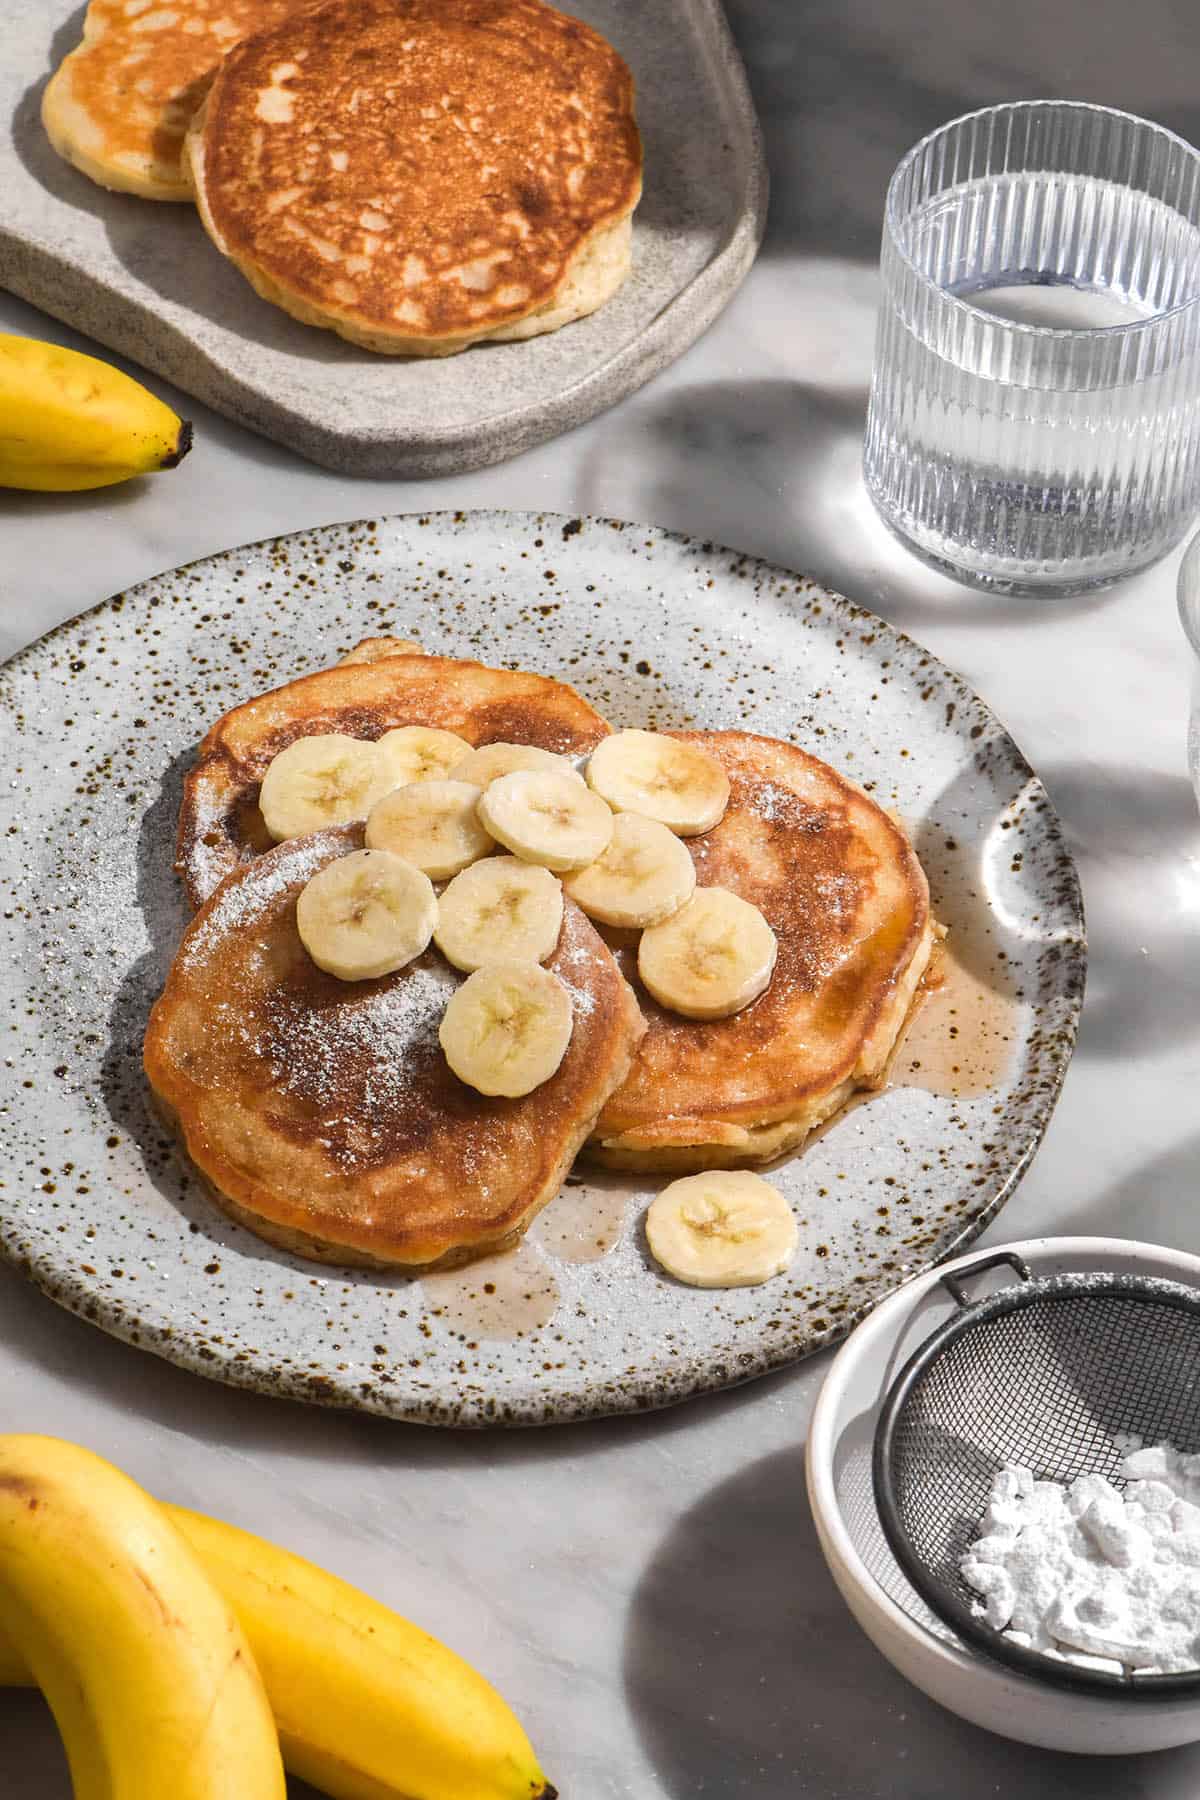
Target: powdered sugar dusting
pixel 355 1068
pixel 1090 1575
pixel 381 1037
pixel 208 853
pixel 839 893
pixel 578 959
pixel 242 903
pixel 770 802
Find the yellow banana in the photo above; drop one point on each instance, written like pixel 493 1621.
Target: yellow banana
pixel 367 1706
pixel 14 1670
pixel 146 1669
pixel 70 421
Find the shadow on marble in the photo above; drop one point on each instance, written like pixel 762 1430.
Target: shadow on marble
pixel 35 1767
pixel 21 503
pixel 773 467
pixel 1139 1004
pixel 718 456
pixel 838 108
pixel 1117 812
pixel 1154 1204
pixel 746 1674
pixel 844 87
pixel 1136 836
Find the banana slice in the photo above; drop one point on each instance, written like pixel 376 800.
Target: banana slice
pixel 643 876
pixel 499 910
pixel 639 771
pixel 421 753
pixel 548 818
pixel 327 779
pixel 432 824
pixel 711 958
pixel 494 760
pixel 728 1228
pixel 507 1028
pixel 366 914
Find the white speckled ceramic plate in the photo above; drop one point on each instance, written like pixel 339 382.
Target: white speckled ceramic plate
pixel 99 722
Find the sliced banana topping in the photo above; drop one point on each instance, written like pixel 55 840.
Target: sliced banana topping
pixel 711 958
pixel 548 818
pixel 728 1228
pixel 432 824
pixel 494 760
pixel 327 779
pixel 421 753
pixel 499 910
pixel 507 1028
pixel 366 914
pixel 643 876
pixel 683 788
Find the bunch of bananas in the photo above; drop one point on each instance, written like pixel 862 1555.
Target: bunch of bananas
pixel 70 421
pixel 182 1657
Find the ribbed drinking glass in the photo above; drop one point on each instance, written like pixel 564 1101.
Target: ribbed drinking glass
pixel 1034 423
pixel 1189 614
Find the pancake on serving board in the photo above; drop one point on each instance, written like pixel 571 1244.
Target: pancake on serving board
pixel 840 885
pixel 220 824
pixel 322 1113
pixel 422 175
pixel 119 105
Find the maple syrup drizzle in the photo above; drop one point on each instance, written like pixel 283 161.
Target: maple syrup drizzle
pixel 497 1298
pixel 962 1035
pixel 583 1224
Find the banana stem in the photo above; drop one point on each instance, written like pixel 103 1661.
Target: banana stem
pixel 183 445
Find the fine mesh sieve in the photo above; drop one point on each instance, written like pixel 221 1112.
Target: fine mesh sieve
pixel 1049 1373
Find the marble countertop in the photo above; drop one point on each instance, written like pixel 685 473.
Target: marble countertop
pixel 649 1593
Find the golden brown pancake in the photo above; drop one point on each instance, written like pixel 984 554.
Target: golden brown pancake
pixel 840 885
pixel 118 106
pixel 323 1113
pixel 220 824
pixel 418 175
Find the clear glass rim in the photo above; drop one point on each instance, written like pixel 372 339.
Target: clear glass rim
pixel 1188 594
pixel 1018 328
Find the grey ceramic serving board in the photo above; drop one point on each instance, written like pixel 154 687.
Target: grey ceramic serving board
pixel 141 276
pixel 98 722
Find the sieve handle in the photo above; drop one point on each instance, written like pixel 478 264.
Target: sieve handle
pixel 954 1287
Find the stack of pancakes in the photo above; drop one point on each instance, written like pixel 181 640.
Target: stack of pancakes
pixel 323 1114
pixel 416 175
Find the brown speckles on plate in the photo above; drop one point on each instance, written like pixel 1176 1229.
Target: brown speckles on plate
pixel 653 629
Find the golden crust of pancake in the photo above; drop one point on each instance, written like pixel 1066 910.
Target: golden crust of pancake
pixel 840 885
pixel 371 650
pixel 419 175
pixel 119 105
pixel 323 1114
pixel 220 824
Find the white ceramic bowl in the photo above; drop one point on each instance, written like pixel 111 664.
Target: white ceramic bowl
pixel 871 1583
pixel 1189 618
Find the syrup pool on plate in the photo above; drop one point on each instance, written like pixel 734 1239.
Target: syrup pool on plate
pixel 962 1037
pixel 496 1298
